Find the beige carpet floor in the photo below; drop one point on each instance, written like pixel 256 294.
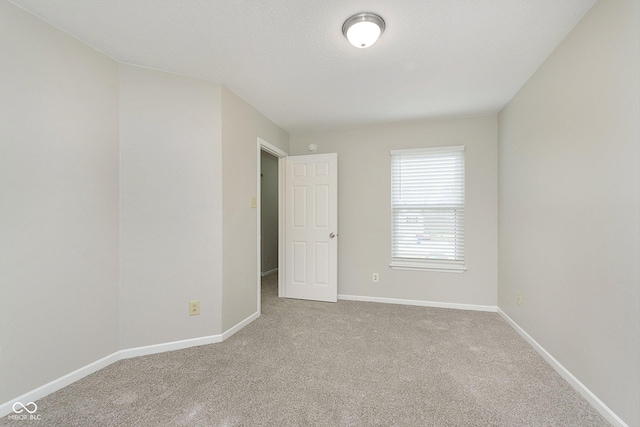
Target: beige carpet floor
pixel 320 364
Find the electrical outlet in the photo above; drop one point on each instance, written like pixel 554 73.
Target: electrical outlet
pixel 268 258
pixel 519 299
pixel 375 278
pixel 194 307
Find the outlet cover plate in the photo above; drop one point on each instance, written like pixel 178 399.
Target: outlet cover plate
pixel 194 308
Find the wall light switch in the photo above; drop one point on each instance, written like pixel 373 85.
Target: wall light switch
pixel 254 202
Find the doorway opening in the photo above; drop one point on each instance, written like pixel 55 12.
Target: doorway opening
pixel 268 214
pixel 270 199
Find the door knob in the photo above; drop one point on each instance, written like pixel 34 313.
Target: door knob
pixel 332 235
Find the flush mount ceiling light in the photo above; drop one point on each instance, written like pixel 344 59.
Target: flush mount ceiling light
pixel 362 30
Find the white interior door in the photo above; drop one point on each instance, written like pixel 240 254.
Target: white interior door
pixel 311 230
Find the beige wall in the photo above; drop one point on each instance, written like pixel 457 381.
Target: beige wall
pixel 241 126
pixel 364 210
pixel 114 173
pixel 58 203
pixel 569 205
pixel 171 211
pixel 269 211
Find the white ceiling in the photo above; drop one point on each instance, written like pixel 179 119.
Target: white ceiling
pixel 289 59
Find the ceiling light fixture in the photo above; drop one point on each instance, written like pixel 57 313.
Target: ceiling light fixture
pixel 363 29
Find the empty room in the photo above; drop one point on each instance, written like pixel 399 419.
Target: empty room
pixel 320 213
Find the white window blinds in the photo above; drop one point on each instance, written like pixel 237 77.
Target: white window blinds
pixel 427 201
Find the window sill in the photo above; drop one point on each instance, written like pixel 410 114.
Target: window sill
pixel 443 268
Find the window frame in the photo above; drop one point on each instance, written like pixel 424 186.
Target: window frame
pixel 455 266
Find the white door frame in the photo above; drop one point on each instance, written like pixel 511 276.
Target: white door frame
pixel 280 155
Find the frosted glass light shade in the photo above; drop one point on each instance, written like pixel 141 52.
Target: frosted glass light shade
pixel 363 34
pixel 363 30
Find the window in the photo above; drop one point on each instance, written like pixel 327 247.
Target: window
pixel 427 203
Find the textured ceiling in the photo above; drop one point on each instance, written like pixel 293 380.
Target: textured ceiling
pixel 289 59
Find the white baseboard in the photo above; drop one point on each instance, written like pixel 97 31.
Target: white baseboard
pixel 168 346
pixel 193 342
pixel 55 385
pixel 266 273
pixel 473 307
pixel 229 332
pixel 603 409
